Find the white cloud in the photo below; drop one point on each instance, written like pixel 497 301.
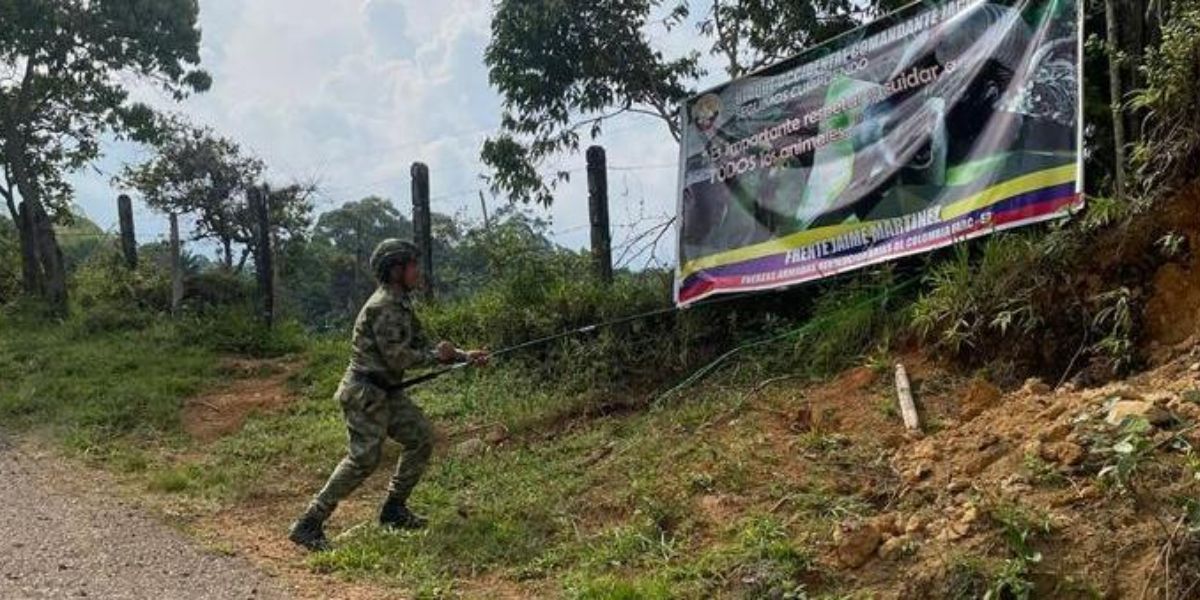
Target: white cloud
pixel 353 93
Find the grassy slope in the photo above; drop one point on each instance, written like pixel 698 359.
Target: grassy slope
pixel 723 490
pixel 587 497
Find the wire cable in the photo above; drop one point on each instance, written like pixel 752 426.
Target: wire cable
pixel 696 376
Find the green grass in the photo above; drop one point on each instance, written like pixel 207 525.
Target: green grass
pixel 96 387
pixel 113 393
pixel 596 494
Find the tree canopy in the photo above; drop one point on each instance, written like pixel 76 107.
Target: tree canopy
pixel 565 67
pixel 65 68
pixel 199 173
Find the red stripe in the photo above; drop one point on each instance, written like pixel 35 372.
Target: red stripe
pixel 710 285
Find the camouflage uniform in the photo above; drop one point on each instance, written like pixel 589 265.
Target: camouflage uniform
pixel 387 340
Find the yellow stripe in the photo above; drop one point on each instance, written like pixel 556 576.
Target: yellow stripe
pixel 987 197
pixel 1010 189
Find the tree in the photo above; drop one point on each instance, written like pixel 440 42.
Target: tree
pixel 1168 151
pixel 356 227
pixel 1116 94
pixel 350 233
pixel 567 66
pixel 199 173
pixel 64 70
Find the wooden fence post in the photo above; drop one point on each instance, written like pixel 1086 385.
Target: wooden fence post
pixel 597 171
pixel 260 206
pixel 176 267
pixel 128 238
pixel 423 223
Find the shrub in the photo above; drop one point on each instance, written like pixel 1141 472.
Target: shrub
pixel 548 296
pixel 1171 150
pixel 973 301
pixel 105 284
pixel 215 288
pixel 10 262
pixel 239 330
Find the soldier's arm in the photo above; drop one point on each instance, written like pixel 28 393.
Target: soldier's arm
pixel 401 346
pixel 444 351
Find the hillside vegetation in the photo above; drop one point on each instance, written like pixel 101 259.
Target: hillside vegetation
pixel 647 460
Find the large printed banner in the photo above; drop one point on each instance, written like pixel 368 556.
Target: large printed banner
pixel 942 122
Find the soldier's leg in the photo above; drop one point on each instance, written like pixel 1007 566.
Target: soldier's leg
pixel 412 430
pixel 366 423
pixel 410 427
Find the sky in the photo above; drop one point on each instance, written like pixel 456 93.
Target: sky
pixel 349 93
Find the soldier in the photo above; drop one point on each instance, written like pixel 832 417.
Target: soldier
pixel 387 341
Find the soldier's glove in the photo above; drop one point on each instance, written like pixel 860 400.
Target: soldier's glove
pixel 447 353
pixel 479 358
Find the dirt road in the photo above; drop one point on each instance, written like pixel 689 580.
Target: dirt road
pixel 59 539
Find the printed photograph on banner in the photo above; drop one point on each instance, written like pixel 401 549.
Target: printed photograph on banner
pixel 942 122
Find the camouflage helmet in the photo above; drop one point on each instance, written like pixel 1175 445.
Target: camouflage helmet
pixel 390 252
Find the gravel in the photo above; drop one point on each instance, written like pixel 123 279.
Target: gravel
pixel 61 540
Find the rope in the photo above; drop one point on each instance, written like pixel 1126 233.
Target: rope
pixel 646 315
pixel 558 336
pixel 799 331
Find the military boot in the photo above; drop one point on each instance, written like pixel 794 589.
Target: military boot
pixel 395 515
pixel 309 531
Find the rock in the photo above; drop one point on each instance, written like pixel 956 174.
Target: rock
pixel 956 486
pixel 497 435
pixel 1195 367
pixel 1063 453
pixel 925 451
pixel 1161 399
pixel 1055 433
pixel 914 525
pixel 970 515
pixel 954 530
pixel 1053 411
pixel 917 473
pixel 1035 387
pixel 887 525
pixel 979 397
pixel 471 447
pixel 894 547
pixel 856 547
pixel 1123 409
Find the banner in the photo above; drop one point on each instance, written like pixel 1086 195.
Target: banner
pixel 942 122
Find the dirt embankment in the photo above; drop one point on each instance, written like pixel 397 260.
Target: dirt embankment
pixel 1074 493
